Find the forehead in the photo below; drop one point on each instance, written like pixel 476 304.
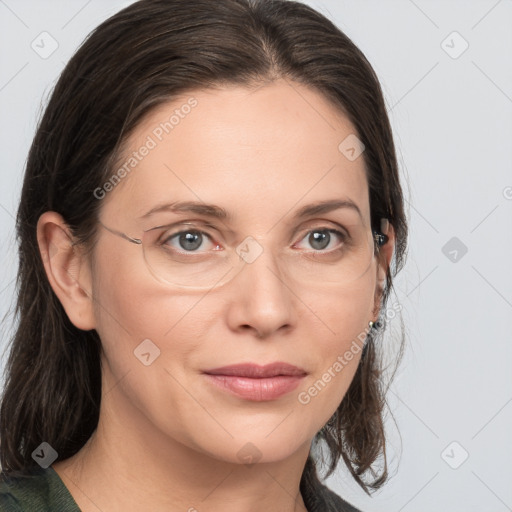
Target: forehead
pixel 259 153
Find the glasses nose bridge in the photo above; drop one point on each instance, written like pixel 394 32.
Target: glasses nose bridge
pixel 254 253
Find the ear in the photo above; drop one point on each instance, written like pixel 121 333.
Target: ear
pixel 384 257
pixel 67 269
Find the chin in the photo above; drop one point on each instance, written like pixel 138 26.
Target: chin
pixel 252 446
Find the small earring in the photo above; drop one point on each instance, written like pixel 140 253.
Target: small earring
pixel 372 325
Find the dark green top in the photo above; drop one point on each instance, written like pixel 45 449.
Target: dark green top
pixel 44 491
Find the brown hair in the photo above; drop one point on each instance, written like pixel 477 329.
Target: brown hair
pixel 143 56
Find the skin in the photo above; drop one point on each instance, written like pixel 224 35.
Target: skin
pixel 166 437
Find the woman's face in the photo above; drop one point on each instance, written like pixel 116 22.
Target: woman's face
pixel 261 155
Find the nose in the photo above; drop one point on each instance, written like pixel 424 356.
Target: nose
pixel 261 299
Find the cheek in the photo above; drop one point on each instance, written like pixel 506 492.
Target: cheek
pixel 131 308
pixel 149 336
pixel 128 315
pixel 343 313
pixel 343 321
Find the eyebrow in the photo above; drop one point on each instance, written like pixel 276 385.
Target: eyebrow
pixel 217 212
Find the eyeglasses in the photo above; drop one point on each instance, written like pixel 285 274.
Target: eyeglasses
pixel 172 256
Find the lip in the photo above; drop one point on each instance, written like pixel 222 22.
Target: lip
pixel 257 383
pixel 255 371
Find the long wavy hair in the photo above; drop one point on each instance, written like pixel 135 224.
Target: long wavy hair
pixel 144 56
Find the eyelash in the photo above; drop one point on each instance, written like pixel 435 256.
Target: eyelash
pixel 344 238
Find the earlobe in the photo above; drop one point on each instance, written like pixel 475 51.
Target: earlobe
pixel 67 270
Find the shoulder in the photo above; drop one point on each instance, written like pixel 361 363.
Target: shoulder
pixel 37 489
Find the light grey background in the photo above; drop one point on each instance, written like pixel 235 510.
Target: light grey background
pixel 452 119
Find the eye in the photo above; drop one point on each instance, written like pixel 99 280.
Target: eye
pixel 322 238
pixel 189 240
